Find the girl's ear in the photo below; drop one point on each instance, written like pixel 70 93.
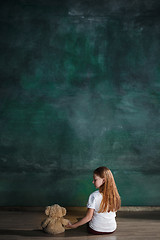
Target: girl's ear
pixel 103 180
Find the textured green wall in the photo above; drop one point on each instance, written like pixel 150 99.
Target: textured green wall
pixel 79 88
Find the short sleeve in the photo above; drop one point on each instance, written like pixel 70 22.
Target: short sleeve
pixel 91 202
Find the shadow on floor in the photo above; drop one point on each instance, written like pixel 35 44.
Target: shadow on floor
pixel 80 232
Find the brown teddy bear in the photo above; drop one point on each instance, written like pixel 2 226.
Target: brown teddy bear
pixel 55 222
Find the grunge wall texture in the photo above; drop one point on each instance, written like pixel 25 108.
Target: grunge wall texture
pixel 79 88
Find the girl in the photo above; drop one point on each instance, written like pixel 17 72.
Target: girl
pixel 102 204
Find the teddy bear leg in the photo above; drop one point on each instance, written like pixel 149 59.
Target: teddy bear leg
pixel 54 230
pixel 59 230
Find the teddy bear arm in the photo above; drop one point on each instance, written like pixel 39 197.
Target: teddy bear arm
pixel 64 221
pixel 45 223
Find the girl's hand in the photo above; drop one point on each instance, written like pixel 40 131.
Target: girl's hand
pixel 69 225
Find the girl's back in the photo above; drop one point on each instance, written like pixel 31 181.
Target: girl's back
pixel 103 221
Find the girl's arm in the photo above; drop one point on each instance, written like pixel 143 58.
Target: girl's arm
pixel 84 220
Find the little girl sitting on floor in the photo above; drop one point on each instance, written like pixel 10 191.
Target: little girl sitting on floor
pixel 102 204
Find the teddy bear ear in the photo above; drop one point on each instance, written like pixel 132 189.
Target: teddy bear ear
pixel 47 210
pixel 64 211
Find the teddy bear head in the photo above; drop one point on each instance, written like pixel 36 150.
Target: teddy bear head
pixel 55 211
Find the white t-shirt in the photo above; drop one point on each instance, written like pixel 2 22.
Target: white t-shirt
pixel 100 222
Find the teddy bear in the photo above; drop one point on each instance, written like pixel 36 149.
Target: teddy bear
pixel 55 222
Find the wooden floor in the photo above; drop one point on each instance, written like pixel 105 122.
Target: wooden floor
pixel 131 225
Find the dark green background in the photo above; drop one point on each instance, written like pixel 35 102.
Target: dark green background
pixel 79 88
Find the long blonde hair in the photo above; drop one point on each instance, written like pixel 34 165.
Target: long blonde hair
pixel 111 200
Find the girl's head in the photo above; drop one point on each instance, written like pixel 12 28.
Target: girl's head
pixel 104 180
pixel 102 175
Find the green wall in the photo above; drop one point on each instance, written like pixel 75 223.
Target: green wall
pixel 79 88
